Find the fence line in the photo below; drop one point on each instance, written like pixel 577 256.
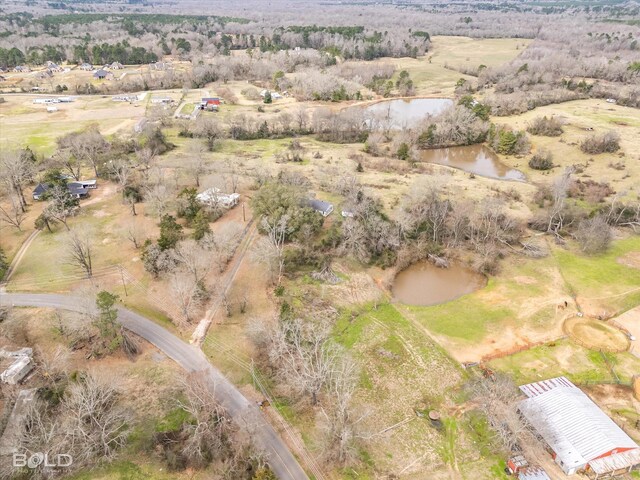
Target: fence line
pixel 518 349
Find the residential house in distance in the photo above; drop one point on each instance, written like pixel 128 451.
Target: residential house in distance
pixel 213 197
pixel 21 69
pixel 54 67
pixel 160 66
pixel 162 100
pixel 87 67
pixel 115 66
pixel 274 95
pixel 77 189
pixel 102 74
pixel 46 100
pixel 320 206
pixel 210 103
pixel 581 436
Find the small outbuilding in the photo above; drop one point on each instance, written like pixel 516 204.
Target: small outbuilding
pixel 20 366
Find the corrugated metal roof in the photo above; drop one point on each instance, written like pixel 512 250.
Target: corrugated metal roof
pixel 534 389
pixel 533 473
pixel 573 426
pixel 615 462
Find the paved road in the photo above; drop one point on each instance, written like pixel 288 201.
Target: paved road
pixel 245 413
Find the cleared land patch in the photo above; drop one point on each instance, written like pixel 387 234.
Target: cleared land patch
pixel 436 73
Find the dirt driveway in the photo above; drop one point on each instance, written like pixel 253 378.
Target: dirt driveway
pixel 631 321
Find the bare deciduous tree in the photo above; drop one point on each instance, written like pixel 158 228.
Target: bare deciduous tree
pixel 209 129
pixel 13 214
pixel 97 425
pixel 135 232
pixel 271 248
pixel 556 214
pixel 121 171
pixel 594 234
pixel 208 435
pixel 88 146
pixel 193 259
pixel 61 205
pixel 158 198
pixel 196 164
pixel 16 170
pixel 342 420
pixel 79 248
pixel 186 295
pixel 498 398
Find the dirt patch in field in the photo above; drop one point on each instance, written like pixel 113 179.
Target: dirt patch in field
pixel 596 334
pixel 631 259
pixel 619 403
pixel 100 214
pixel 523 280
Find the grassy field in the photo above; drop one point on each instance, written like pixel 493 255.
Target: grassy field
pixel 524 302
pixel 404 372
pixel 604 283
pixel 24 123
pixel 578 116
pixel 578 364
pixel 435 74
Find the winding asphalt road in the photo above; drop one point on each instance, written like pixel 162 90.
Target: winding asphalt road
pixel 245 413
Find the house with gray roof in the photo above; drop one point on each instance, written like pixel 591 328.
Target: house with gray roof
pixel 320 206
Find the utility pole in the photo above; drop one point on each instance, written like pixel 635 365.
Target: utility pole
pixel 244 217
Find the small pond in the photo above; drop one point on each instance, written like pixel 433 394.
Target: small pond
pixel 404 113
pixel 425 284
pixel 476 159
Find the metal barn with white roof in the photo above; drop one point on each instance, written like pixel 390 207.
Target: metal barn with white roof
pixel 581 435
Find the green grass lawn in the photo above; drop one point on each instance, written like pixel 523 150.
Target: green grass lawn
pixel 578 364
pixel 187 109
pixel 466 318
pixel 599 275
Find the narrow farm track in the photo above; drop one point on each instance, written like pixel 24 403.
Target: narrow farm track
pixel 18 257
pixel 200 332
pixel 245 413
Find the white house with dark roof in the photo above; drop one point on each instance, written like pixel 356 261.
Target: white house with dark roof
pixel 582 437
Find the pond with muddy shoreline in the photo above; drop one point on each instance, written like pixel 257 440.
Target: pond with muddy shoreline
pixel 424 284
